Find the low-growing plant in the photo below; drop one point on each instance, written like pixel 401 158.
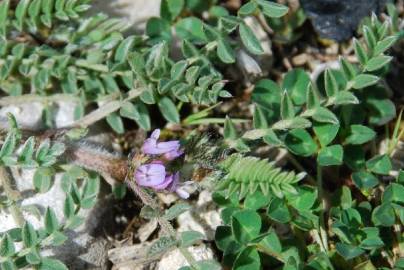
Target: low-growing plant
pixel 343 209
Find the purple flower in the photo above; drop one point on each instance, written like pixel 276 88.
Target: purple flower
pixel 150 175
pixel 174 187
pixel 170 149
pixel 154 175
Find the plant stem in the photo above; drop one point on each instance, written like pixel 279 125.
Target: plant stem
pixel 29 98
pixel 12 196
pixel 323 232
pixel 164 224
pixel 106 109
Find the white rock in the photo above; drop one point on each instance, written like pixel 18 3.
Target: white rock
pixel 135 12
pixel 204 218
pixel 30 116
pixel 27 115
pixel 175 260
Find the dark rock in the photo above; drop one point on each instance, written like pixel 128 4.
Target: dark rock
pixel 338 19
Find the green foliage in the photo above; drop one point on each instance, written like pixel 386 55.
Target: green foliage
pixel 356 220
pixel 246 175
pixel 43 156
pixel 312 118
pixel 271 218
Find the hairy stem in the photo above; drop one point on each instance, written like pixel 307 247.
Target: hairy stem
pixel 12 196
pixel 164 223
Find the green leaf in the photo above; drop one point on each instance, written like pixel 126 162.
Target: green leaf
pixel 224 239
pixel 119 191
pixel 325 133
pixel 159 29
pixel 384 215
pixel 176 210
pixel 225 52
pixel 249 39
pixel 190 29
pixel 58 238
pixel 33 257
pixel 369 37
pixel 278 211
pixel 161 245
pixel 74 222
pixel 348 251
pixel 121 53
pixel 381 108
pixel 394 193
pixel 20 13
pixel 230 132
pixel 245 225
pixel 270 244
pixel 324 115
pixel 51 222
pixel 377 62
pixel 7 248
pixel 256 201
pixel 170 9
pixel 345 98
pixel 128 110
pixel 248 259
pixel 4 7
pixel 272 9
pixel 8 145
pixel 267 94
pixel 313 101
pixel 331 86
pixel 360 52
pixel 287 108
pixel 364 80
pixel 364 180
pixel 379 164
pixel 300 142
pixel 29 235
pixel 168 109
pixel 8 265
pixel 306 199
pixel 248 8
pixel 51 264
pixel 178 69
pixel 69 207
pixel 330 155
pixel 294 123
pixel 189 238
pixel 27 150
pixel 115 122
pixel 348 69
pixel 296 83
pixel 43 179
pixel 144 120
pixel 354 157
pixel 359 134
pixel 384 45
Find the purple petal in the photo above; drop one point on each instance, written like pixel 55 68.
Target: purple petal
pixel 151 147
pixel 150 175
pixel 155 134
pixel 168 180
pixel 173 154
pixel 175 182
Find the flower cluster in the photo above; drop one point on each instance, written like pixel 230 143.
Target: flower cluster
pixel 154 174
